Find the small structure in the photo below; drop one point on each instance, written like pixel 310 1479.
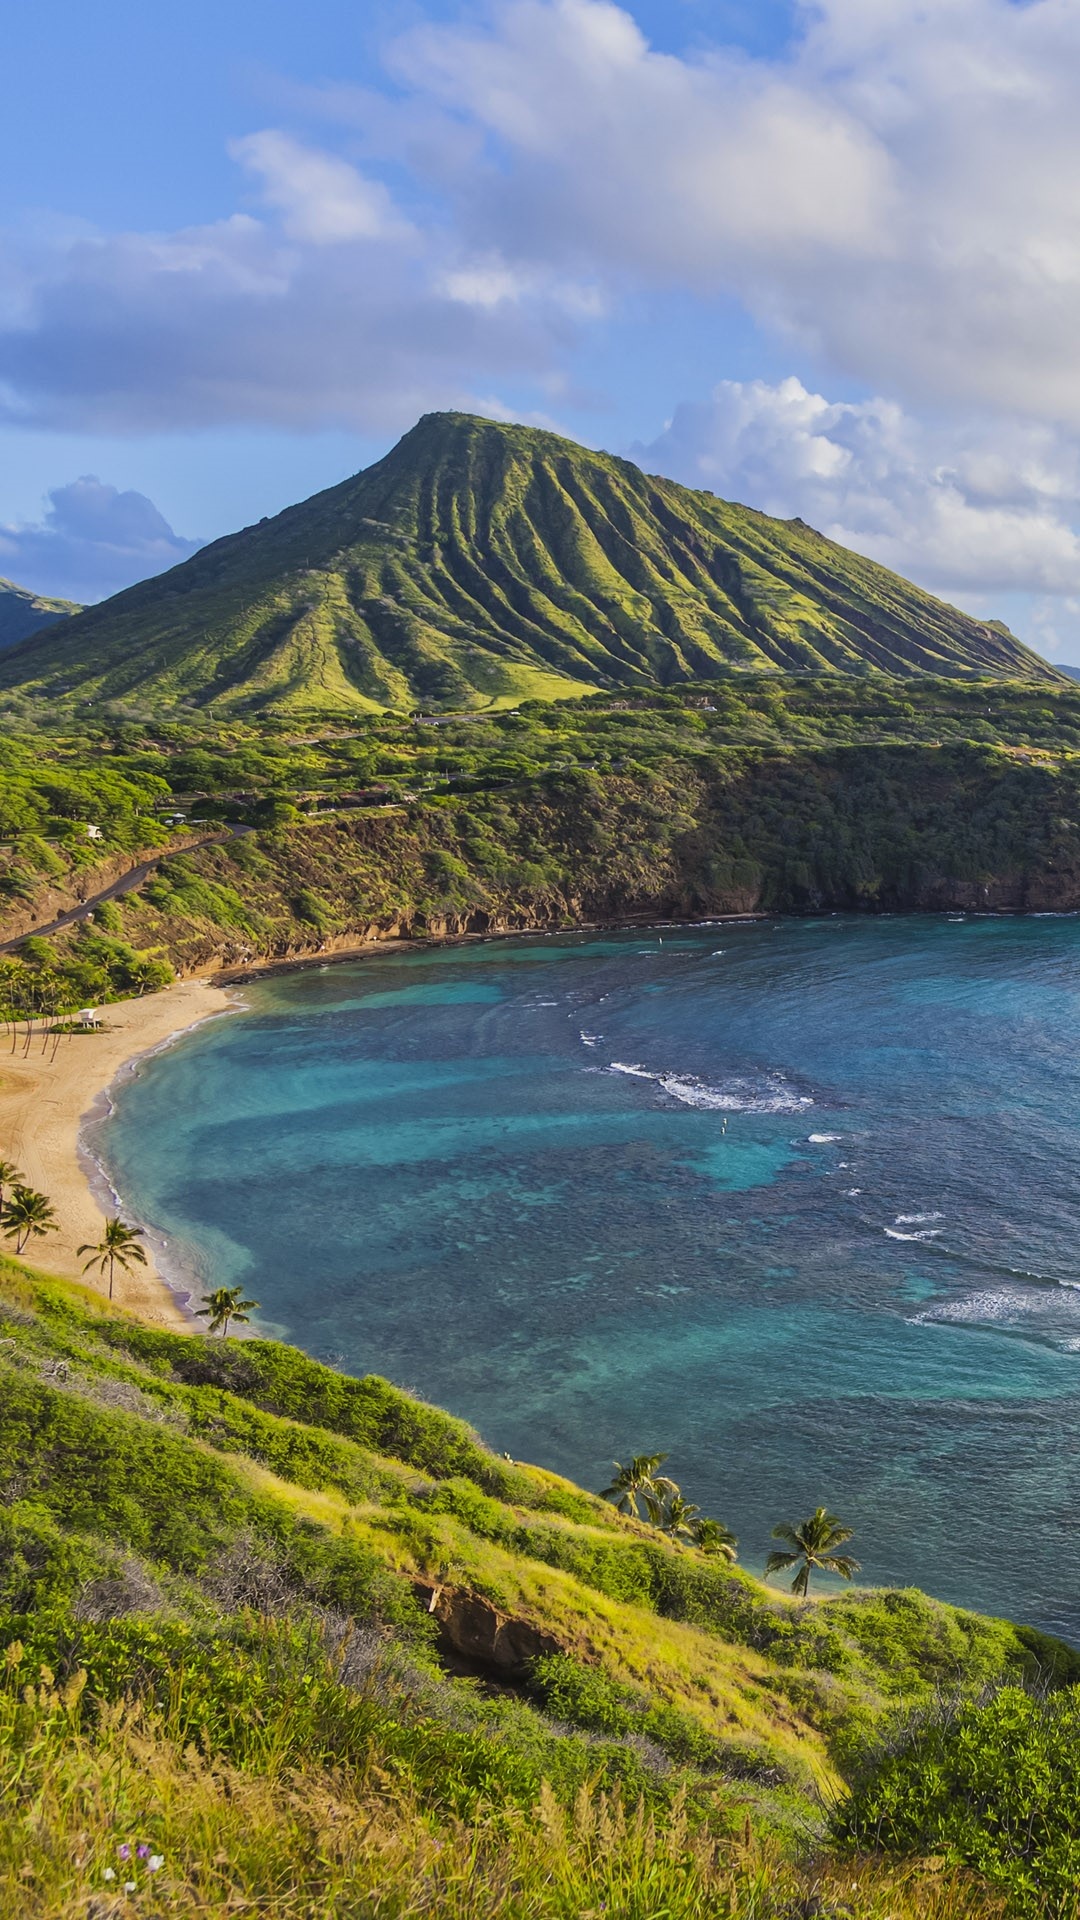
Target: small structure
pixel 87 1017
pixel 94 833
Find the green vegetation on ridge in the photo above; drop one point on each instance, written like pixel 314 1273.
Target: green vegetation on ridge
pixel 480 564
pixel 756 794
pixel 232 1581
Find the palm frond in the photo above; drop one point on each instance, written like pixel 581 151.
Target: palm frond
pixel 784 1532
pixel 841 1563
pixel 776 1562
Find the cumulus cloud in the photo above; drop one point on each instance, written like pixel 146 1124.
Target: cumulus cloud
pixel 321 199
pixel 92 540
pixel 984 513
pixel 653 165
pixel 893 191
pixel 331 310
pixel 896 190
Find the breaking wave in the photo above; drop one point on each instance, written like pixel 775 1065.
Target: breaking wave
pixel 769 1094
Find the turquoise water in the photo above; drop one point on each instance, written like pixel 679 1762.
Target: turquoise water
pixel 798 1201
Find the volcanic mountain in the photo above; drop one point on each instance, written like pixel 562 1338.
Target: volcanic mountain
pixel 480 563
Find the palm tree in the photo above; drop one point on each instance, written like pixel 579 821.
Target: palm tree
pixel 713 1537
pixel 26 1213
pixel 9 1177
pixel 639 1480
pixel 119 1247
pixel 678 1517
pixel 812 1545
pixel 223 1305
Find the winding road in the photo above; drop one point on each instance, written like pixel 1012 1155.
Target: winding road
pixel 129 882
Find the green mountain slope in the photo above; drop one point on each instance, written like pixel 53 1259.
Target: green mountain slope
pixel 23 613
pixel 478 564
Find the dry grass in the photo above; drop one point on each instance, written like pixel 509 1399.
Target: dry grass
pixel 304 1846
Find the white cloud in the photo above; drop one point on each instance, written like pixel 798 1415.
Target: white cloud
pixel 243 321
pixel 321 199
pixel 971 511
pixel 638 161
pixel 92 541
pixel 896 191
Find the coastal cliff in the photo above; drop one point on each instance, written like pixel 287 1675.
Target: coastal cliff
pixel 810 796
pixel 906 830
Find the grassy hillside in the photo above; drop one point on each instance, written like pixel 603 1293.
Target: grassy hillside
pixel 23 613
pixel 331 1654
pixel 481 564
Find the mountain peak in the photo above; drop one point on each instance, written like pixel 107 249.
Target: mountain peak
pixel 481 563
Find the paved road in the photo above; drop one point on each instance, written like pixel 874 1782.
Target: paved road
pixel 128 883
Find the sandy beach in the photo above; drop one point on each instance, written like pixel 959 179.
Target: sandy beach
pixel 43 1101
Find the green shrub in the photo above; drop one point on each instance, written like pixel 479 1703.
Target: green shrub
pixel 995 1787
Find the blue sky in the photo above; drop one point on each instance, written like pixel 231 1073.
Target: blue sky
pixel 821 257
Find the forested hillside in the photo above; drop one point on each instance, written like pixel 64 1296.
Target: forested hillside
pixel 744 796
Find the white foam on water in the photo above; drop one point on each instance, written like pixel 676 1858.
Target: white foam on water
pixel 589 1039
pixel 916 1219
pixel 927 1233
pixel 1036 1310
pixel 852 1191
pixel 768 1095
pixel 823 1139
pixel 981 1309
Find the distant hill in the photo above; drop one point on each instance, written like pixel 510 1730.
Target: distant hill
pixel 23 613
pixel 482 563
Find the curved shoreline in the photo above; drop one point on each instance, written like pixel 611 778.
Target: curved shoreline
pixel 49 1095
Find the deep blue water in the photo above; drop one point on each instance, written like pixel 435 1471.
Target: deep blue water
pixel 798 1201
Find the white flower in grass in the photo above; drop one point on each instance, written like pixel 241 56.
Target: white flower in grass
pixel 109 1873
pixel 155 1862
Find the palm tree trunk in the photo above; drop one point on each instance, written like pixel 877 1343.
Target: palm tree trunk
pixel 110 1275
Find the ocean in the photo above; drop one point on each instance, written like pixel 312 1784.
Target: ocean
pixel 796 1201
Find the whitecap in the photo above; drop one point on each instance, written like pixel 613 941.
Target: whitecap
pixel 917 1219
pixel 852 1191
pixel 740 1095
pixel 589 1039
pixel 823 1139
pixel 928 1233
